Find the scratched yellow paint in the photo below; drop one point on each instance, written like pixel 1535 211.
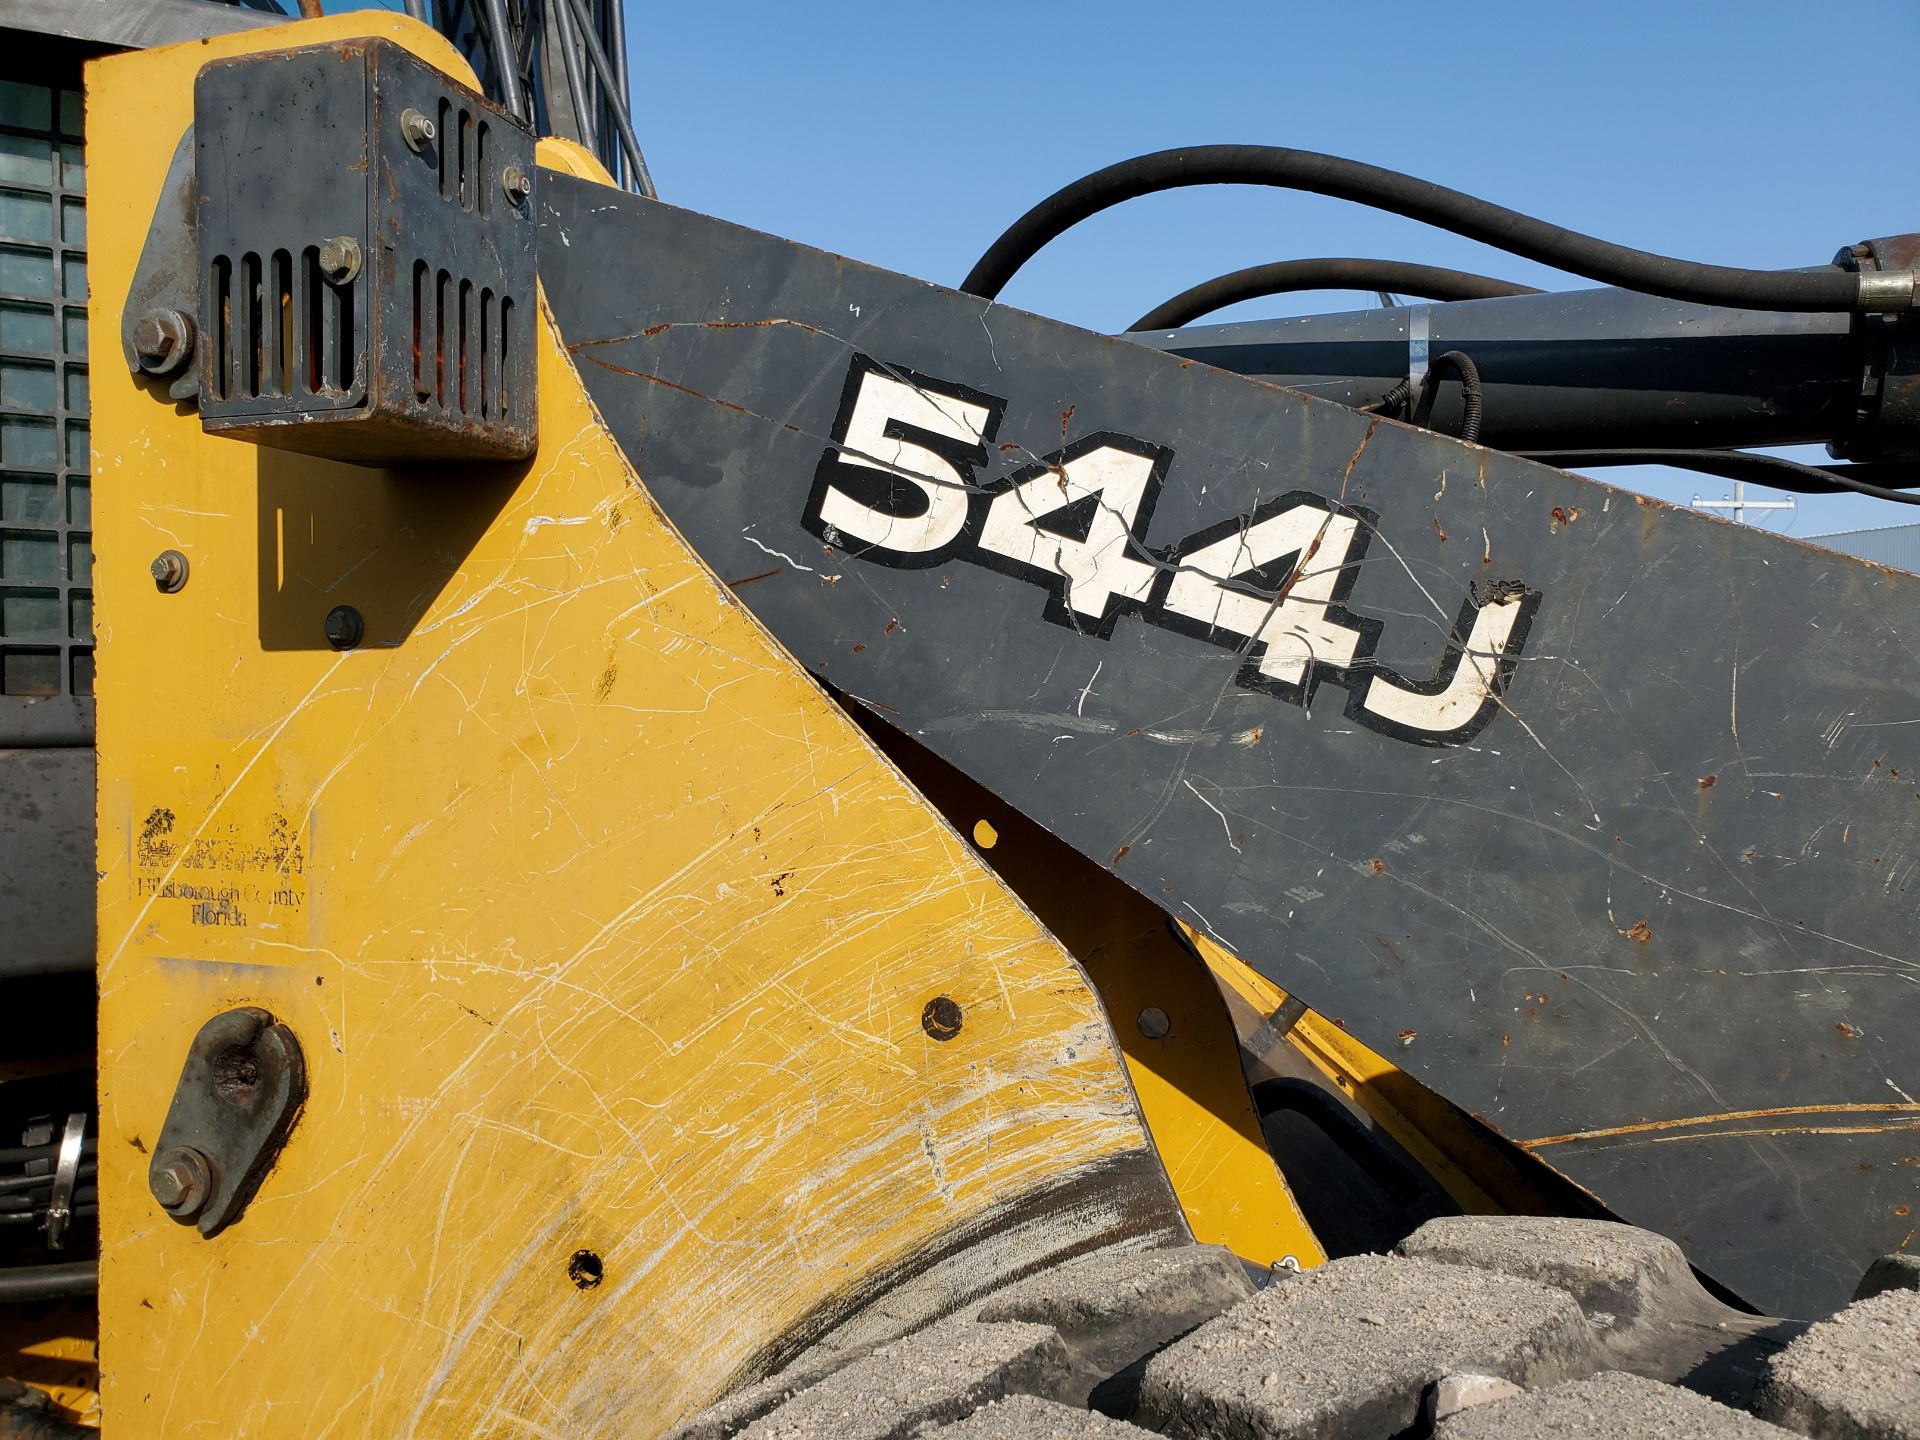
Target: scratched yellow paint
pixel 600 926
pixel 1172 1021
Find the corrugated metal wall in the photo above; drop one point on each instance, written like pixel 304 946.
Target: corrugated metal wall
pixel 1895 545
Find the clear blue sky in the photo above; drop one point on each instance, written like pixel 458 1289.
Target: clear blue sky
pixel 1763 133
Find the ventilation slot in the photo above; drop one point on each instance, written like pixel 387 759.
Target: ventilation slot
pixel 220 285
pixel 469 171
pixel 486 354
pixel 327 346
pixel 447 160
pixel 281 313
pixel 482 169
pixel 468 370
pixel 503 408
pixel 423 344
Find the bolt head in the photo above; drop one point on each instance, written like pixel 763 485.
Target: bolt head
pixel 344 627
pixel 163 341
pixel 416 129
pixel 339 258
pixel 181 1181
pixel 1153 1023
pixel 515 184
pixel 169 571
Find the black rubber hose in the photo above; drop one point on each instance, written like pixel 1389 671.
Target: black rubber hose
pixel 20 1154
pixel 32 1182
pixel 1761 469
pixel 1471 406
pixel 1285 277
pixel 14 1207
pixel 48 1282
pixel 1508 230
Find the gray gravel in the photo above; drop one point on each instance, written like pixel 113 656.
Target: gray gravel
pixel 1026 1418
pixel 1615 1270
pixel 943 1373
pixel 1612 1406
pixel 1347 1350
pixel 1854 1377
pixel 1182 1287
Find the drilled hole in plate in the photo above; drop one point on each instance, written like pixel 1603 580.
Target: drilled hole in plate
pixel 585 1270
pixel 942 1018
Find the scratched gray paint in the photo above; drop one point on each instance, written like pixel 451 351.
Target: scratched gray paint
pixel 1669 648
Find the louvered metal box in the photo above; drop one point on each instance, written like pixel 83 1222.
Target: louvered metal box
pixel 425 351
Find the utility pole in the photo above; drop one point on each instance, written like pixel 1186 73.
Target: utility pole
pixel 1739 504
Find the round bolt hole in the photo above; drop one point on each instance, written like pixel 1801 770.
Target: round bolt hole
pixel 585 1270
pixel 1153 1022
pixel 169 571
pixel 344 627
pixel 941 1019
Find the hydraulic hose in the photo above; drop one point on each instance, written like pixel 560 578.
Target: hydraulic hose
pixel 48 1282
pixel 1433 282
pixel 1533 239
pixel 1472 407
pixel 1760 469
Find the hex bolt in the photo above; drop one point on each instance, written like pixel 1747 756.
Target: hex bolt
pixel 344 627
pixel 416 129
pixel 169 571
pixel 515 184
pixel 340 259
pixel 181 1180
pixel 163 341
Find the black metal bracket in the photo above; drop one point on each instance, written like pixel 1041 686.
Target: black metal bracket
pixel 239 1093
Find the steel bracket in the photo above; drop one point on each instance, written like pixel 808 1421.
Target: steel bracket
pixel 238 1096
pixel 167 280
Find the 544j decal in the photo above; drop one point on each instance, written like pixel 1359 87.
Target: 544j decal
pixel 898 486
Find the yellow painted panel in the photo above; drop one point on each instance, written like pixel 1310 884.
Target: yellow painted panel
pixel 600 926
pixel 53 1348
pixel 1181 1047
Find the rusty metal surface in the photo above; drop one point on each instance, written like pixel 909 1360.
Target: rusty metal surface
pixel 375 302
pixel 1650 911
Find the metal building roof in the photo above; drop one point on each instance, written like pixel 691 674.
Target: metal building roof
pixel 1895 545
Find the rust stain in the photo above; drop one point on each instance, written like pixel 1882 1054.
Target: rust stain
pixel 1439 530
pixel 1120 854
pixel 1358 451
pixel 890 626
pixel 662 381
pixel 1377 866
pixel 1407 1037
pixel 1707 781
pixel 1563 516
pixel 1847 1031
pixel 1776 1112
pixel 1641 933
pixel 749 579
